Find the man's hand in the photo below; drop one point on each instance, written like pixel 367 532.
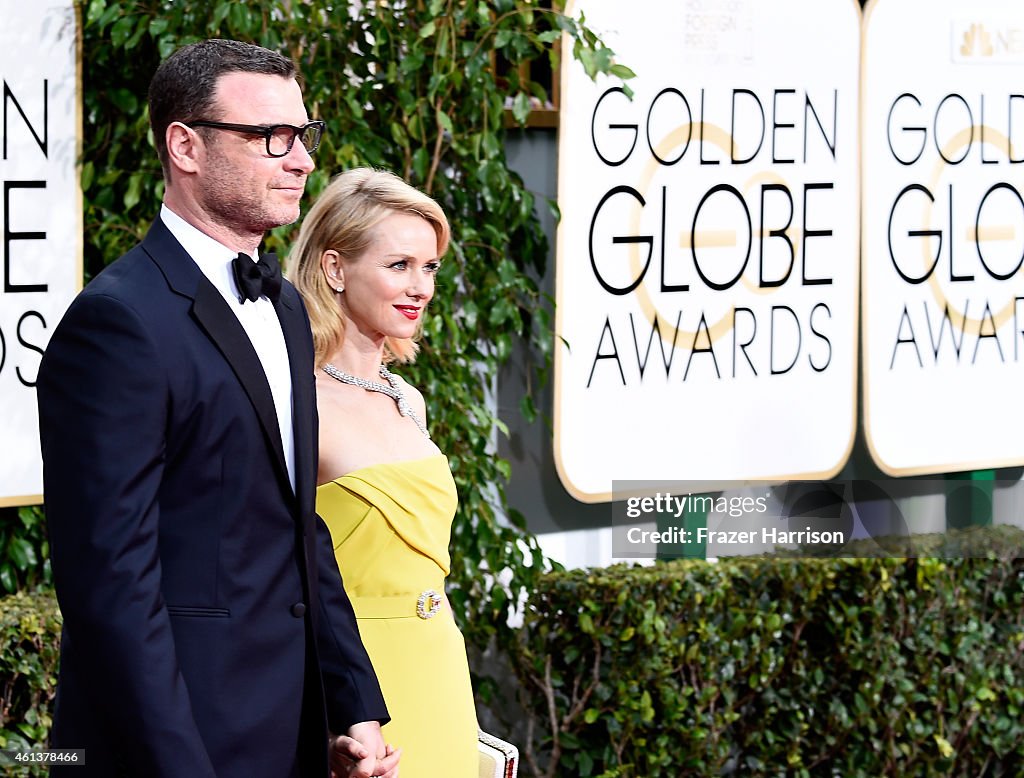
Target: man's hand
pixel 361 753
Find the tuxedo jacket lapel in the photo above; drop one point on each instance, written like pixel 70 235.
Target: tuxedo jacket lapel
pixel 226 331
pixel 221 325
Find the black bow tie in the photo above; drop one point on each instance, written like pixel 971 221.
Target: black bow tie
pixel 257 278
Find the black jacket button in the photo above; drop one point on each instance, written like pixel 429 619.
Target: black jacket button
pixel 299 610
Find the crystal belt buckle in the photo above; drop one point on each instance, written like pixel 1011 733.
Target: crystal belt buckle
pixel 428 604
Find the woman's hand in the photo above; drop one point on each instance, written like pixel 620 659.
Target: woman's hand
pixel 362 753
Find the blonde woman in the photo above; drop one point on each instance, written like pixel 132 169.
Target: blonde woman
pixel 365 262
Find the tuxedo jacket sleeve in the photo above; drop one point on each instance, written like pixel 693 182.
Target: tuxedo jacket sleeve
pixel 196 608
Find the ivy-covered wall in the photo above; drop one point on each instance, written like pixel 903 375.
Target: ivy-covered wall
pixel 414 91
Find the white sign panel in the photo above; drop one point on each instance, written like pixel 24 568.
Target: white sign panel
pixel 708 249
pixel 41 250
pixel 943 301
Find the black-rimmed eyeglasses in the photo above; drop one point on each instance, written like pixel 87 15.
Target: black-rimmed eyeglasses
pixel 279 137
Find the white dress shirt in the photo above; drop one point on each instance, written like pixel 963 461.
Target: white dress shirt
pixel 258 319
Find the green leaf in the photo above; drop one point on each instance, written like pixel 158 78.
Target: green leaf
pixel 95 11
pixel 8 579
pixel 521 107
pixel 220 13
pixel 125 100
pixel 88 171
pixel 621 71
pixel 445 122
pixel 16 552
pixel 586 764
pixel 121 30
pixel 501 312
pixel 398 133
pixel 134 193
pixel 238 15
pixel 420 163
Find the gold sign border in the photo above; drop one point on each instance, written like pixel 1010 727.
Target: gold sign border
pixel 869 442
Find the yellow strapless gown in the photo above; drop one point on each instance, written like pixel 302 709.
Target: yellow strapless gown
pixel 391 524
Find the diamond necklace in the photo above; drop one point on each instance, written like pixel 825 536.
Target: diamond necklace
pixel 392 389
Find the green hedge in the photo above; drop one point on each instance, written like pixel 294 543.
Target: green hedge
pixel 29 645
pixel 761 666
pixel 781 667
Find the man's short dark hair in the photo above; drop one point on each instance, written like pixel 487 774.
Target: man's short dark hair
pixel 183 87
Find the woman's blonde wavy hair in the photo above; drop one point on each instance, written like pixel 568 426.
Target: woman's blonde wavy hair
pixel 343 219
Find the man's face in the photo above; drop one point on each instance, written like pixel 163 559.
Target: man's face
pixel 240 186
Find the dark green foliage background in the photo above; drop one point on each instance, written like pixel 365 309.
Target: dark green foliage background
pixel 24 549
pixel 413 91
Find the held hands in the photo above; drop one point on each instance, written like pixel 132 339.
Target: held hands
pixel 361 753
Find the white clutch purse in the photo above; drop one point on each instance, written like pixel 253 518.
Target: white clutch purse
pixel 498 759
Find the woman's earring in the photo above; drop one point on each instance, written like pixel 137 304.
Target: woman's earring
pixel 340 289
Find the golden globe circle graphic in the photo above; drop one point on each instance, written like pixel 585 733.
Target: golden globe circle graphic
pixel 721 238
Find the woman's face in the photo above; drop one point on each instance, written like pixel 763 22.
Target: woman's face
pixel 387 288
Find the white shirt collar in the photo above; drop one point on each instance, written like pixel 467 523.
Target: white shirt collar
pixel 212 256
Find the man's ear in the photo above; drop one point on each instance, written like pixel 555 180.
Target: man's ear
pixel 330 265
pixel 183 145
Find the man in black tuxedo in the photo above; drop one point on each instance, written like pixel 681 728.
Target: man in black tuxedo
pixel 206 630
